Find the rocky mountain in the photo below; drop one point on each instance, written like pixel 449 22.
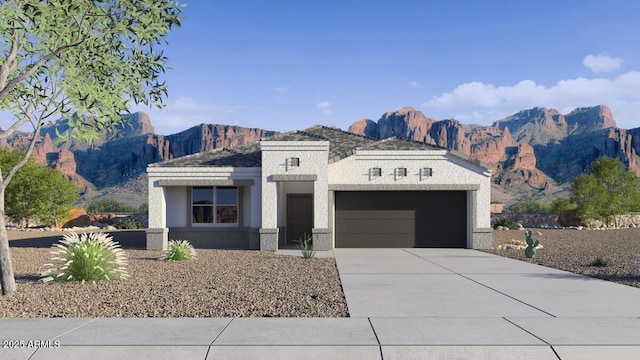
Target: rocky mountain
pixel 534 152
pixel 116 163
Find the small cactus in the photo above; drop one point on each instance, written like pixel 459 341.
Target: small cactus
pixel 530 251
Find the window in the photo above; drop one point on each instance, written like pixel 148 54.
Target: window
pixel 215 205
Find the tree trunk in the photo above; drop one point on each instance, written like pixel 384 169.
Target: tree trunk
pixel 7 280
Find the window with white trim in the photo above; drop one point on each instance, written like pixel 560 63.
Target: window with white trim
pixel 214 205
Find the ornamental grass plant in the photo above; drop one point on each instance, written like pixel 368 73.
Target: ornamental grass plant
pixel 179 250
pixel 305 244
pixel 86 257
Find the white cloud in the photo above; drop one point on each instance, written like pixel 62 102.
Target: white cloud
pixel 414 84
pixel 485 103
pixel 282 89
pixel 325 108
pixel 602 63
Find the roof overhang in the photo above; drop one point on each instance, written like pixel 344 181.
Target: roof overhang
pixel 205 182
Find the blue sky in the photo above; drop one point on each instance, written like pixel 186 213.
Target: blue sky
pixel 285 65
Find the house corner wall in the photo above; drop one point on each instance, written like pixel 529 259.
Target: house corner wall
pixel 482 234
pixel 157 232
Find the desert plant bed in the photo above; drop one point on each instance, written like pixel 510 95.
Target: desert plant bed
pixel 217 283
pixel 582 252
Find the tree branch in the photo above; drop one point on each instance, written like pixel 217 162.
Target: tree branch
pixel 10 62
pixel 36 134
pixel 24 159
pixel 18 123
pixel 12 84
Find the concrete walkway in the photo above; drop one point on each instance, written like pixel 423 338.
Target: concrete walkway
pixel 404 304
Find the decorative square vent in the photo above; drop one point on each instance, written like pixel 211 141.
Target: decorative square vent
pixel 401 172
pixel 375 172
pixel 293 162
pixel 426 172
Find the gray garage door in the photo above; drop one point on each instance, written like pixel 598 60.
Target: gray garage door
pixel 401 219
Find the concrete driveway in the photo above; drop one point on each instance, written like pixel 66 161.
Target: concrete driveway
pixel 456 303
pixel 403 303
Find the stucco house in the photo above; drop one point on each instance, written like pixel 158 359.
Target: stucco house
pixel 342 189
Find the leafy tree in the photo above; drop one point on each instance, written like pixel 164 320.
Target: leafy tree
pixel 84 60
pixel 36 192
pixel 608 191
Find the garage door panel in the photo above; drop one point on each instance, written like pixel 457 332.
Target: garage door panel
pixel 375 214
pixel 401 219
pixel 378 226
pixel 379 241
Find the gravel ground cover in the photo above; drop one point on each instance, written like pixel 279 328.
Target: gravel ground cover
pixel 575 250
pixel 227 283
pixel 219 283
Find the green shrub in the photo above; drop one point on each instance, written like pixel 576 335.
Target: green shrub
pixel 143 209
pixel 179 250
pixel 529 207
pixel 561 204
pixel 86 257
pixel 508 223
pixel 130 223
pixel 306 247
pixel 599 262
pixel 110 206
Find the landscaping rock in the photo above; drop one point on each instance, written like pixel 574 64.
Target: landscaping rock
pixel 80 221
pixel 568 218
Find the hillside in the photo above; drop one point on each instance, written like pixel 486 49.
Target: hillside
pixel 535 152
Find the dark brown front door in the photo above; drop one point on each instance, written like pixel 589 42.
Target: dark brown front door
pixel 299 216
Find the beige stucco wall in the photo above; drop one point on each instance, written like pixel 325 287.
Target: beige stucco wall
pixel 169 206
pixel 178 210
pixel 449 173
pixel 313 157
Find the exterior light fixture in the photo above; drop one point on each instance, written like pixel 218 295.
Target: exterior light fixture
pixel 426 172
pixel 293 162
pixel 401 172
pixel 375 172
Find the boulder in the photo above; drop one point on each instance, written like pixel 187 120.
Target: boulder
pixel 568 218
pixel 78 219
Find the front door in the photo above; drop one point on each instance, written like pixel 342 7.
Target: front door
pixel 299 217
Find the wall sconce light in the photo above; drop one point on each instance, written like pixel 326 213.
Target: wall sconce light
pixel 293 162
pixel 401 172
pixel 426 172
pixel 375 172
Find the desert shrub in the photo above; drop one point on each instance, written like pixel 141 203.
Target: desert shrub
pixel 561 204
pixel 179 250
pixel 143 209
pixel 110 206
pixel 599 262
pixel 507 222
pixel 86 257
pixel 129 223
pixel 529 207
pixel 306 247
